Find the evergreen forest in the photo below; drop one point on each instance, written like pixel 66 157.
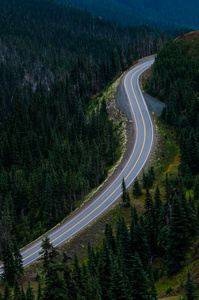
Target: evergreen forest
pixel 122 267
pixel 164 14
pixel 55 146
pixel 175 81
pixel 53 151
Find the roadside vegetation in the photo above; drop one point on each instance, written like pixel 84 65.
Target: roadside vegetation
pixel 95 233
pixel 58 143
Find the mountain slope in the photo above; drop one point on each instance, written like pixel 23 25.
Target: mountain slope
pixel 53 59
pixel 160 13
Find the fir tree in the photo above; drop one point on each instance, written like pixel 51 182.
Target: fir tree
pixel 153 292
pixel 158 202
pixel 123 243
pixel 190 288
pixel 144 181
pixel 18 262
pixel 17 292
pixel 110 238
pixel 125 195
pixel 29 293
pixel 149 223
pixel 178 240
pixel 119 287
pixel 47 248
pixel 39 293
pixel 139 283
pixel 137 191
pixel 139 244
pixel 104 270
pixel 77 278
pixel 55 287
pixel 134 216
pixel 8 264
pixel 6 293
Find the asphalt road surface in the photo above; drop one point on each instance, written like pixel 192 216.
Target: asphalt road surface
pixel 139 156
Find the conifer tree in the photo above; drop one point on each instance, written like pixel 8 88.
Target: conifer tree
pixel 77 278
pixel 134 216
pixel 123 192
pixel 118 288
pixel 193 152
pixel 29 293
pixel 139 283
pixel 67 275
pixel 178 240
pixel 8 264
pixel 158 201
pixel 188 178
pixel 167 197
pixel 6 293
pixel 125 195
pixel 153 292
pixel 149 223
pixel 18 262
pixel 144 181
pixel 157 211
pixel 152 173
pixel 110 238
pixel 55 286
pixel 191 221
pixel 17 292
pixel 123 243
pixel 39 293
pixel 104 270
pixel 137 191
pixel 138 239
pixel 165 217
pixel 139 244
pixel 47 248
pixel 190 288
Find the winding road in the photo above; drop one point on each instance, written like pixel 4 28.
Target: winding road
pixel 136 162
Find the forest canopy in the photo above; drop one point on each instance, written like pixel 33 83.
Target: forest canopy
pixel 53 59
pixel 164 14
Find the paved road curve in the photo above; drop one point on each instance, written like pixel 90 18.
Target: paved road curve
pixel 140 153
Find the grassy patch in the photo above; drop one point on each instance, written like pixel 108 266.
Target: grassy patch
pixel 166 155
pixel 176 283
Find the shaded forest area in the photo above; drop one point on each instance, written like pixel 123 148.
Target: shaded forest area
pixel 52 152
pixel 175 81
pixel 42 43
pixel 164 14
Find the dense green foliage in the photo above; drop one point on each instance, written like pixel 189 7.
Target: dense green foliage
pixel 166 14
pixel 53 151
pixel 125 195
pixel 122 267
pixel 175 80
pixel 42 42
pixel 53 59
pixel 190 289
